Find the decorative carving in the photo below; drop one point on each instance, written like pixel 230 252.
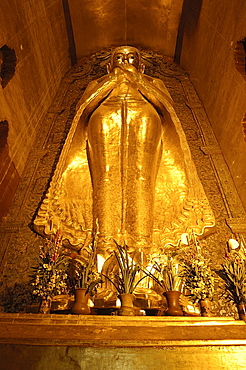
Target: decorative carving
pixel 237 225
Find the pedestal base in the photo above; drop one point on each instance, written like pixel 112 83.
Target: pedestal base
pixel 114 342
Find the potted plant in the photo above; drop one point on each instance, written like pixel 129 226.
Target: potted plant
pixel 232 273
pixel 50 276
pixel 198 280
pixel 83 278
pixel 125 279
pixel 167 275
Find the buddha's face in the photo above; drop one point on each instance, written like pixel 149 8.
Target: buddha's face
pixel 125 55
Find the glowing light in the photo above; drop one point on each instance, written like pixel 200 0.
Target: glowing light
pixel 184 239
pixel 100 262
pixel 233 244
pixel 76 162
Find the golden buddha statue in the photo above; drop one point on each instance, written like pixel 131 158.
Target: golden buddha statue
pixel 126 171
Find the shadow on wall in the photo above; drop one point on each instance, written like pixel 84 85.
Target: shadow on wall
pixel 188 23
pixel 9 177
pixel 240 62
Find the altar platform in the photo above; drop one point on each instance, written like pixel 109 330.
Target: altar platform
pixel 120 331
pixel 35 341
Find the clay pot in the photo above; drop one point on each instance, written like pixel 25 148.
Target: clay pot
pixel 206 308
pixel 127 308
pixel 242 311
pixel 81 306
pixel 45 305
pixel 173 309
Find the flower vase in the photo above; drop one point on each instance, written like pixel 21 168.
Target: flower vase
pixel 206 308
pixel 81 305
pixel 45 305
pixel 173 309
pixel 242 311
pixel 127 307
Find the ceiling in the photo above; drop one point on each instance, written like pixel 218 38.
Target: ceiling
pixel 150 24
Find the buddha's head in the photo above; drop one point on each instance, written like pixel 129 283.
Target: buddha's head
pixel 126 55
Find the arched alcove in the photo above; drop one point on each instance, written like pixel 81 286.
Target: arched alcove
pixel 7 64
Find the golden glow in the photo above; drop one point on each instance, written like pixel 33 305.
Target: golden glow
pixel 184 239
pixel 125 55
pixel 100 262
pixel 125 170
pixel 233 244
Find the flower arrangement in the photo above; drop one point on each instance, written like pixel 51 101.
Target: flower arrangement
pixel 50 277
pixel 233 275
pixel 167 273
pixel 197 274
pixel 82 272
pixel 198 278
pixel 125 280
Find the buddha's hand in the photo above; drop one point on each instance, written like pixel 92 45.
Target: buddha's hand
pixel 126 72
pixel 130 72
pixel 117 75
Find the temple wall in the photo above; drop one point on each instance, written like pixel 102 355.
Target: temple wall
pixel 36 31
pixel 210 35
pixel 9 177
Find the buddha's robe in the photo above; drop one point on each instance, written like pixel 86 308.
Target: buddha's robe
pixel 126 171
